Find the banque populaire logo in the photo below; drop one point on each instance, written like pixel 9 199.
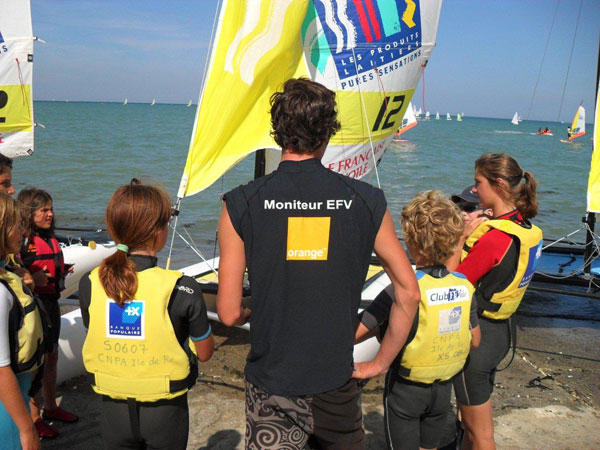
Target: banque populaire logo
pixel 125 322
pixel 369 34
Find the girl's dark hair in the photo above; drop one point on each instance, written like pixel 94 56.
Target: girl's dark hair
pixel 303 116
pixel 135 216
pixel 520 186
pixel 32 199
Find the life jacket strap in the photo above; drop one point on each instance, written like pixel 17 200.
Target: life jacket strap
pixel 174 385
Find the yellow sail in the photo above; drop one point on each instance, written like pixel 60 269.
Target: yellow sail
pixel 578 125
pixel 593 191
pixel 372 53
pixel 255 51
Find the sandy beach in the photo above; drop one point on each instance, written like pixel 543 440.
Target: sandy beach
pixel 549 397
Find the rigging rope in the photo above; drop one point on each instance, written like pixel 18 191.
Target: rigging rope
pixel 175 212
pixel 569 64
pixel 543 58
pixel 362 101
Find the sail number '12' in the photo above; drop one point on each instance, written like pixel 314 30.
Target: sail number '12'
pixel 3 103
pixel 389 108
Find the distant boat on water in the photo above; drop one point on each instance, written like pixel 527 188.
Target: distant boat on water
pixel 515 119
pixel 437 116
pixel 125 102
pixel 448 117
pixel 189 104
pixel 408 121
pixel 153 102
pixel 459 118
pixel 427 116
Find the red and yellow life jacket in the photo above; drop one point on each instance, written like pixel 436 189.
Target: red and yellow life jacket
pixel 49 258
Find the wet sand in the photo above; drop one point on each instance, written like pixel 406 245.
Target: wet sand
pixel 531 411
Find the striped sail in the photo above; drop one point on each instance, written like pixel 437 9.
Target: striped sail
pixel 16 71
pixel 371 52
pixel 578 125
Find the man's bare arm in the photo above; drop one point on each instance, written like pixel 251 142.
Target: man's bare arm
pixel 232 266
pixel 407 296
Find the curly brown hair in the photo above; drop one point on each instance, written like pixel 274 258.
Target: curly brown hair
pixel 432 225
pixel 303 115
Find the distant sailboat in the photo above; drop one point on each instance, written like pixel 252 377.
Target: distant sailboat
pixel 427 116
pixel 459 118
pixel 515 119
pixel 153 102
pixel 189 104
pixel 437 116
pixel 448 116
pixel 408 121
pixel 578 125
pixel 125 102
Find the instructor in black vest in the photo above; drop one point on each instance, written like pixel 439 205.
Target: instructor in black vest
pixel 306 234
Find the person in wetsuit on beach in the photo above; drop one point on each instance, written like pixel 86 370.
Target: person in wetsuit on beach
pixel 139 320
pixel 499 258
pixel 42 256
pixel 306 235
pixel 418 386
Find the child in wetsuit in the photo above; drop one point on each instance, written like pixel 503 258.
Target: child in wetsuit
pixel 419 383
pixel 41 254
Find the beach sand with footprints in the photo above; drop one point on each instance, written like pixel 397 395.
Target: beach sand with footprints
pixel 549 397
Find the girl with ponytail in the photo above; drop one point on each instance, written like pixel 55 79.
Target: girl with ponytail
pixel 142 321
pixel 499 257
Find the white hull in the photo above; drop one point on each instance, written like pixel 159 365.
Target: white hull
pixel 72 333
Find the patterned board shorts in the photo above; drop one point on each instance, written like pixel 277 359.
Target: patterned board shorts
pixel 331 420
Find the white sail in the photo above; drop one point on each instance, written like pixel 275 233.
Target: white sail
pixel 16 73
pixel 427 115
pixel 125 102
pixel 437 116
pixel 515 119
pixel 448 116
pixel 408 121
pixel 153 102
pixel 189 104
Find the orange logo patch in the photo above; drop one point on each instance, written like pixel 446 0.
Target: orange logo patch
pixel 308 238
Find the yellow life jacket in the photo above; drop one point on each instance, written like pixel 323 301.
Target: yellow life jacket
pixel 26 335
pixel 529 241
pixel 132 352
pixel 440 346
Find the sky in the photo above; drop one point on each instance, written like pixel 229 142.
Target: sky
pixel 486 62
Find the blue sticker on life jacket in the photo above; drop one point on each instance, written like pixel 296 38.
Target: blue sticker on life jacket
pixel 125 322
pixel 534 255
pixel 455 315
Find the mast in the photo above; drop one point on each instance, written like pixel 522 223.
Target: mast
pixel 590 217
pixel 260 163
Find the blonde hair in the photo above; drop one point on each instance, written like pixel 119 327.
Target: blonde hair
pixel 11 217
pixel 520 186
pixel 135 216
pixel 432 225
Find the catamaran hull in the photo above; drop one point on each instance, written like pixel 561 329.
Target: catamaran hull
pixel 72 333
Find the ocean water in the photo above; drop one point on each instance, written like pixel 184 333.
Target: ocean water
pixel 87 150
